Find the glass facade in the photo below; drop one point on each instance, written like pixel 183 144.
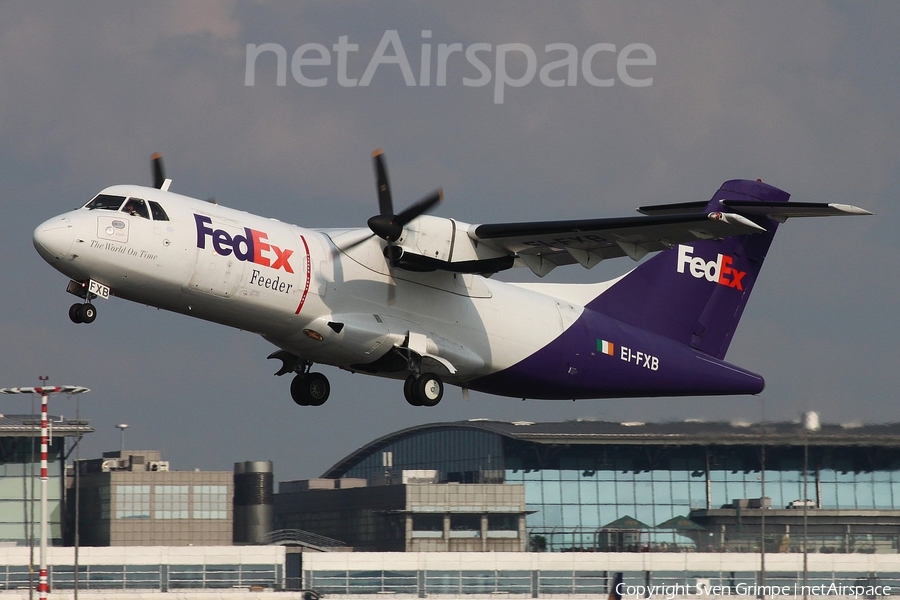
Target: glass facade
pixel 132 501
pixel 171 502
pixel 20 490
pixel 210 502
pixel 168 501
pixel 579 491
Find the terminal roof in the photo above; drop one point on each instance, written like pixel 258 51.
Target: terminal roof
pixel 677 433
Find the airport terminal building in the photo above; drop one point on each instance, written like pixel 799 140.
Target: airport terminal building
pixel 483 507
pixel 686 486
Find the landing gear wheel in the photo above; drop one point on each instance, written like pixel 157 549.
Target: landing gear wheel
pixel 88 313
pixel 82 313
pixel 311 389
pixel 409 391
pixel 75 313
pixel 429 389
pixel 318 388
pixel 426 389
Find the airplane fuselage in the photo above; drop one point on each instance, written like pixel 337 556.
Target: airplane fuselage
pixel 297 289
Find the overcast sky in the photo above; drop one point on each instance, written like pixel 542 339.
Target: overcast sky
pixel 805 96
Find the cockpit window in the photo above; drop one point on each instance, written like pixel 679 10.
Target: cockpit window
pixel 157 211
pixel 136 207
pixel 105 202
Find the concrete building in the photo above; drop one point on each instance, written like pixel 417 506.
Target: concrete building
pixel 253 502
pixel 131 498
pixel 406 513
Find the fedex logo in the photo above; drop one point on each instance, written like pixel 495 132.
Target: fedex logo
pixel 719 271
pixel 252 246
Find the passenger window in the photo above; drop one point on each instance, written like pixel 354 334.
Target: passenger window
pixel 136 208
pixel 105 202
pixel 157 211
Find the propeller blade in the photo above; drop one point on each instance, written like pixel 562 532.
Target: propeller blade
pixel 420 207
pixel 389 226
pixel 392 292
pixel 339 249
pixel 392 283
pixel 385 202
pixel 389 254
pixel 159 171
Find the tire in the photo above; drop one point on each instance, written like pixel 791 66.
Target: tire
pixel 409 391
pixel 429 389
pixel 75 314
pixel 298 390
pixel 317 389
pixel 88 313
pixel 311 389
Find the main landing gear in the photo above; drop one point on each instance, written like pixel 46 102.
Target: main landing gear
pixel 307 388
pixel 313 389
pixel 420 389
pixel 310 389
pixel 82 313
pixel 425 389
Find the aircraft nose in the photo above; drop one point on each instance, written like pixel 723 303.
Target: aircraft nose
pixel 53 238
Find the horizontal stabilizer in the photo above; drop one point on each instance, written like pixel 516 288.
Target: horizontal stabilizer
pixel 773 210
pixel 781 212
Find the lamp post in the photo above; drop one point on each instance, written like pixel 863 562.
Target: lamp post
pixel 44 392
pixel 810 424
pixel 122 427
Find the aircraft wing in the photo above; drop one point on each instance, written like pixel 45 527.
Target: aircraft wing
pixel 544 245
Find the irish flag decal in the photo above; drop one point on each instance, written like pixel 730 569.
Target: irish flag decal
pixel 606 347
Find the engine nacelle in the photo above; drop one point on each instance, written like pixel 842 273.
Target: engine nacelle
pixel 433 243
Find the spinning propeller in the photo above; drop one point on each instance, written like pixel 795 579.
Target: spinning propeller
pixel 387 225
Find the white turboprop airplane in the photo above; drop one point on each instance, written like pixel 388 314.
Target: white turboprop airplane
pixel 410 297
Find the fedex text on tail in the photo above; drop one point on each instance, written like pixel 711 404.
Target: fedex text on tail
pixel 719 271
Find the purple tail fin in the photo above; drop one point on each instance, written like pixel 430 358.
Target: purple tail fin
pixel 695 293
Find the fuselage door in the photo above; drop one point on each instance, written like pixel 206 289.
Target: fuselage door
pixel 214 273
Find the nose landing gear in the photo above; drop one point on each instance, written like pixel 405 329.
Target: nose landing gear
pixel 87 291
pixel 82 313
